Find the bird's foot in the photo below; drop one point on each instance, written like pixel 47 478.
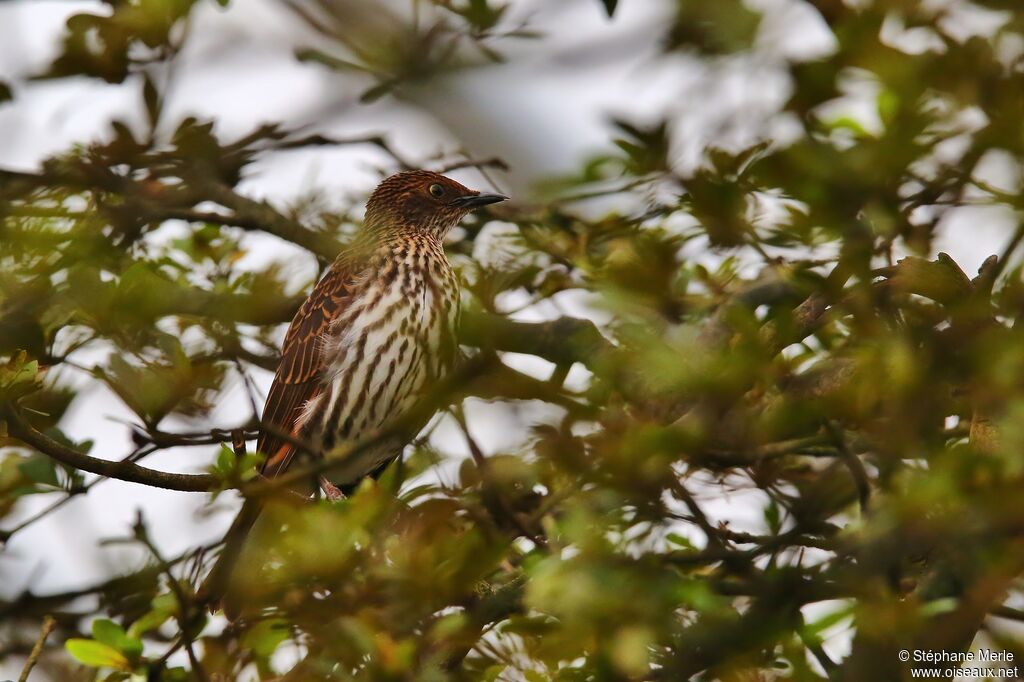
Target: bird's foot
pixel 331 491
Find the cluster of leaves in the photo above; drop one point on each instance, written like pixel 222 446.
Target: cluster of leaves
pixel 867 404
pixel 395 50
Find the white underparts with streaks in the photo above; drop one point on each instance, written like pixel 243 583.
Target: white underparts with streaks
pixel 394 339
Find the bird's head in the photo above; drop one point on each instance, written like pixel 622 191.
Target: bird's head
pixel 423 200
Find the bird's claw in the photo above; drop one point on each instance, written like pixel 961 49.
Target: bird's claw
pixel 331 491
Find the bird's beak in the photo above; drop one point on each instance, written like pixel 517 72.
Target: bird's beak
pixel 472 201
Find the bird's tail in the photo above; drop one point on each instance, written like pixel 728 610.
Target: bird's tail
pixel 214 590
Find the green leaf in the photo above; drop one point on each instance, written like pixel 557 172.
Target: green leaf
pixel 18 377
pixel 109 632
pixel 888 105
pixel 492 673
pixel 376 92
pixel 938 607
pixel 118 677
pixel 176 674
pixel 264 637
pixel 773 517
pixel 679 541
pixel 713 28
pixel 609 6
pixel 941 280
pixel 39 469
pixel 163 607
pixel 96 654
pixel 849 124
pixel 330 61
pixel 482 16
pixel 528 626
pixel 225 461
pixel 232 468
pixel 450 625
pixel 813 631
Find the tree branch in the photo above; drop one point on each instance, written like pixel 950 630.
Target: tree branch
pixel 125 470
pixel 562 341
pixel 260 215
pixel 49 623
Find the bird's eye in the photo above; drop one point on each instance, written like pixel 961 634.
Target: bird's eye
pixel 436 190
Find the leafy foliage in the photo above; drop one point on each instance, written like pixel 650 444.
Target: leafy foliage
pixel 858 392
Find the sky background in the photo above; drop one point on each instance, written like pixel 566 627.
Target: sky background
pixel 544 111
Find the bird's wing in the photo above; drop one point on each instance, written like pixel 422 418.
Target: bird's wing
pixel 299 375
pixel 298 380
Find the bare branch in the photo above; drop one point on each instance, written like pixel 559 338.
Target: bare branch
pixel 124 470
pixel 49 623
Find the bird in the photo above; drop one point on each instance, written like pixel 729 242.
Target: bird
pixel 378 329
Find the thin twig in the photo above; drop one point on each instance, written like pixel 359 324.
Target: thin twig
pixel 1008 612
pixel 489 484
pixel 1004 258
pixel 853 463
pixel 185 605
pixel 493 162
pixel 49 623
pixel 26 600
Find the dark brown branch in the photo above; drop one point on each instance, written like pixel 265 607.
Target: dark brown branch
pixel 246 213
pixel 1008 612
pixel 717 330
pixel 260 215
pixel 562 341
pixel 768 451
pixel 166 439
pixel 496 605
pixel 853 463
pixel 20 429
pixel 807 318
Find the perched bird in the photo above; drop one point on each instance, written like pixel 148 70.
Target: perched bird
pixel 376 331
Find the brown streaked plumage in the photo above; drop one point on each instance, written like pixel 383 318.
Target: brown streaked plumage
pixel 377 328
